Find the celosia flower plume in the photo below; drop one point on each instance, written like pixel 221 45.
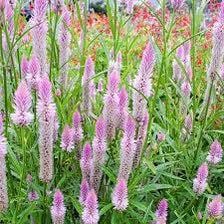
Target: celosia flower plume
pixel 67 143
pixel 215 154
pixel 22 104
pixel 58 209
pixel 161 212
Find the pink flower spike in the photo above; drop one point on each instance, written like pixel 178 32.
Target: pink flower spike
pixel 33 196
pixel 161 137
pixel 90 213
pixel 67 143
pixel 44 90
pixel 186 88
pixel 215 154
pixel 58 209
pixel 86 161
pixel 123 107
pixel 24 67
pixel 200 182
pixel 215 207
pixel 77 126
pixel 161 212
pixel 120 195
pixel 22 104
pixel 34 72
pixel 84 190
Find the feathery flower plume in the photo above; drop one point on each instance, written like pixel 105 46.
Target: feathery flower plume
pixel 216 58
pixel 143 83
pixel 90 213
pixel 215 207
pixel 110 111
pixel 9 15
pixel 84 189
pixel 58 209
pixel 46 111
pixel 67 139
pixel 161 212
pixel 77 131
pixel 39 34
pixel 127 149
pixel 64 39
pixel 24 67
pixel 215 154
pixel 120 195
pixel 177 4
pixel 33 72
pixel 129 6
pixel 86 82
pixel 99 153
pixel 22 104
pixel 140 139
pixel 200 182
pixel 3 180
pixel 86 162
pixel 122 107
pixel 161 137
pixel 33 196
pixel 186 88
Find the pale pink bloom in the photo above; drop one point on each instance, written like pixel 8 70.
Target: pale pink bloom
pixel 140 139
pixel 22 104
pixel 33 196
pixel 186 88
pixel 3 179
pixel 67 143
pixel 33 72
pixel 215 154
pixel 86 162
pixel 161 212
pixel 84 190
pixel 143 83
pixel 99 153
pixel 86 83
pixel 127 150
pixel 64 40
pixel 120 195
pixel 215 208
pixel 177 4
pixel 161 137
pixel 46 111
pixel 24 67
pixel 200 182
pixel 122 107
pixel 111 101
pixel 39 34
pixel 90 213
pixel 58 209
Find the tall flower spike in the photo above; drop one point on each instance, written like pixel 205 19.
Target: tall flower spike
pixel 34 72
pixel 216 59
pixel 215 154
pixel 161 212
pixel 39 34
pixel 140 139
pixel 215 207
pixel 110 111
pixel 127 150
pixel 99 153
pixel 22 104
pixel 24 67
pixel 86 82
pixel 86 162
pixel 177 4
pixel 77 131
pixel 122 107
pixel 90 213
pixel 84 189
pixel 46 111
pixel 67 143
pixel 200 182
pixel 120 195
pixel 143 83
pixel 64 39
pixel 3 180
pixel 58 209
